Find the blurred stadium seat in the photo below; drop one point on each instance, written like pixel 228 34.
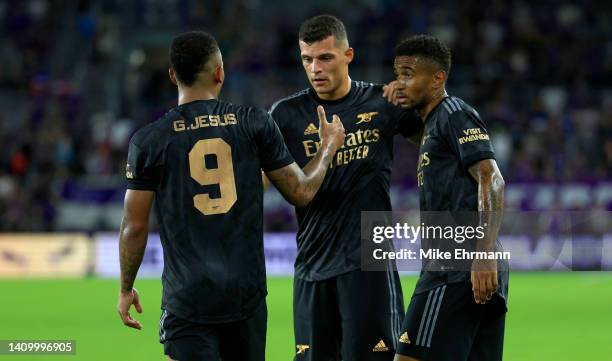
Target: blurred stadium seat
pixel 78 77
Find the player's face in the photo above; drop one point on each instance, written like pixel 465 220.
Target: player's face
pixel 415 81
pixel 326 65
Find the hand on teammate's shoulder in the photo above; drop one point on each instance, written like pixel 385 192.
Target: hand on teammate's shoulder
pixel 389 92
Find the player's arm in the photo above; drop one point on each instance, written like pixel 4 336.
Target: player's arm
pixel 389 93
pixel 490 208
pixel 300 186
pixel 264 181
pixel 132 243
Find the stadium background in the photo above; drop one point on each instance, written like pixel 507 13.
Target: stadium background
pixel 77 78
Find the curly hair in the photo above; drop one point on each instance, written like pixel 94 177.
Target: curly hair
pixel 425 46
pixel 189 53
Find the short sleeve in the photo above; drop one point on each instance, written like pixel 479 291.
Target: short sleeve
pixel 142 170
pixel 275 113
pixel 468 136
pixel 273 151
pixel 409 123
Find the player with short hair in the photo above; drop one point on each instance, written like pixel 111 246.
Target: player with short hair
pixel 454 314
pixel 340 312
pixel 201 163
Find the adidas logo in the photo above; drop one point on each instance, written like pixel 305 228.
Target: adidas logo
pixel 311 129
pixel 380 346
pixel 404 338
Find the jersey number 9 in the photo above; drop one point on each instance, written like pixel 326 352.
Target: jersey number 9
pixel 223 175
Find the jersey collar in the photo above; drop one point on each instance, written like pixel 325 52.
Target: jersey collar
pixel 434 109
pixel 348 95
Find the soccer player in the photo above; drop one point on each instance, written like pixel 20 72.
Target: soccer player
pixel 202 162
pixel 340 312
pixel 454 314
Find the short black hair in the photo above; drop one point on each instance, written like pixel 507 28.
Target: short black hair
pixel 320 27
pixel 425 46
pixel 189 53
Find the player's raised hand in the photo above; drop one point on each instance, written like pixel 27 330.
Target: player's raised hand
pixel 484 280
pixel 126 300
pixel 390 91
pixel 330 132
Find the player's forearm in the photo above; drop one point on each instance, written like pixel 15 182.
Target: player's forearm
pixel 490 207
pixel 132 243
pixel 315 171
pixel 265 182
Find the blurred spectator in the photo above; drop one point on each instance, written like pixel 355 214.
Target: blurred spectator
pixel 78 77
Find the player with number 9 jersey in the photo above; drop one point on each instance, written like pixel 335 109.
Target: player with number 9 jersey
pixel 201 164
pixel 203 159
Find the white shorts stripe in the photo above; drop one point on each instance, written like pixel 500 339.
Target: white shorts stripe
pixel 395 322
pixel 390 302
pixel 423 316
pixel 162 332
pixel 430 315
pixel 433 323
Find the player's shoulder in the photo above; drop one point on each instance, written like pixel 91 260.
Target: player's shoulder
pixel 156 131
pixel 453 107
pixel 296 99
pixel 251 119
pixel 372 94
pixel 243 112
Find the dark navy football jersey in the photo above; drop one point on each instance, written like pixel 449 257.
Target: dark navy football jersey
pixel 203 160
pixel 454 138
pixel 328 236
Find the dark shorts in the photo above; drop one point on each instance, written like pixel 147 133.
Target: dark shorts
pixel 354 316
pixel 445 323
pixel 241 340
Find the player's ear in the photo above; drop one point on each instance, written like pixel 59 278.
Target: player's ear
pixel 219 74
pixel 172 76
pixel 439 79
pixel 350 54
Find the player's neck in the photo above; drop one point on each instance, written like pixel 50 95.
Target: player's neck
pixel 340 93
pixel 190 94
pixel 435 100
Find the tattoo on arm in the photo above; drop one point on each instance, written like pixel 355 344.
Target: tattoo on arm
pixel 316 169
pixel 490 199
pixel 133 235
pixel 131 252
pixel 300 186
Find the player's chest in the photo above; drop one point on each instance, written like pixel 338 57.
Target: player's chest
pixel 366 128
pixel 436 157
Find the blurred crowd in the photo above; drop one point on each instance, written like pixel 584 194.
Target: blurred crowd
pixel 78 77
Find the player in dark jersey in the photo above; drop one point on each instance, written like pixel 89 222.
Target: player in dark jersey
pixel 455 313
pixel 201 162
pixel 340 312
